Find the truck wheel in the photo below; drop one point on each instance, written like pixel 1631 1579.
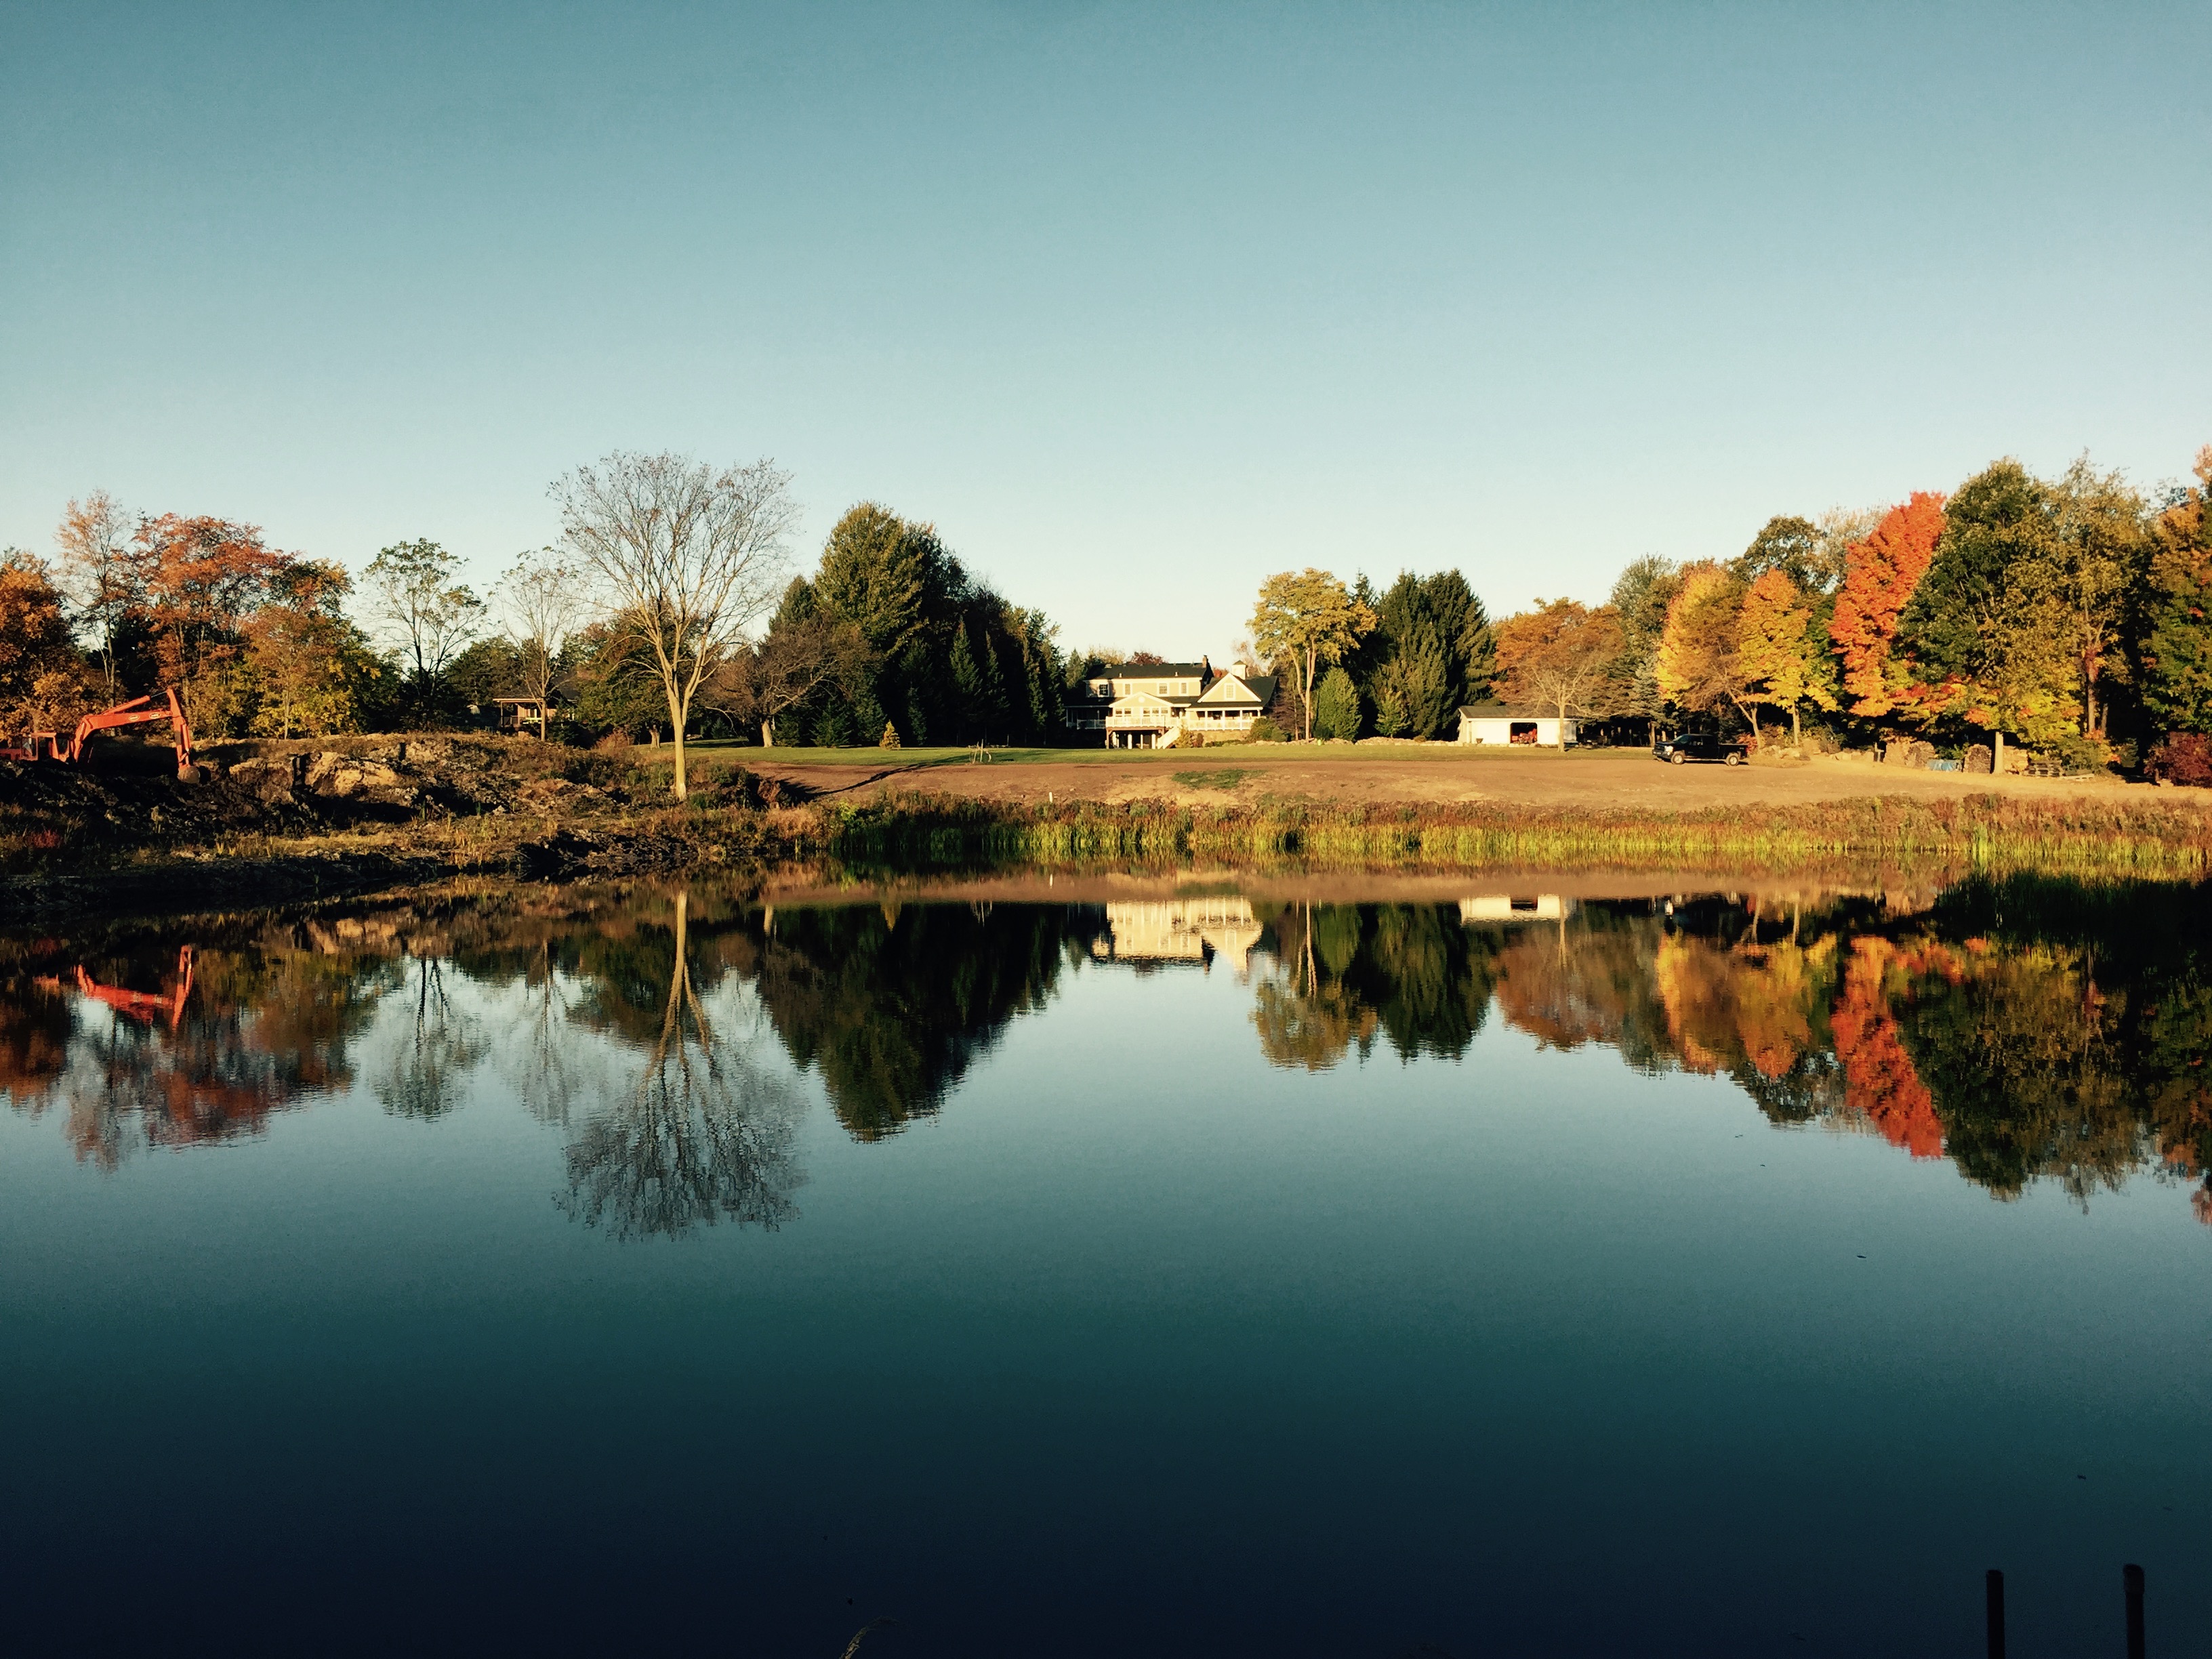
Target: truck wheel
pixel 1735 760
pixel 1677 758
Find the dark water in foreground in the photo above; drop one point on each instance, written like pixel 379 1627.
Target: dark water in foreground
pixel 613 1271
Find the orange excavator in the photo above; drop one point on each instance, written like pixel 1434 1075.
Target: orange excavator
pixel 48 745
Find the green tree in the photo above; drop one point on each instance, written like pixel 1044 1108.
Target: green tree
pixel 1336 706
pixel 1990 624
pixel 1463 626
pixel 428 612
pixel 968 686
pixel 889 578
pixel 1792 545
pixel 1308 618
pixel 1641 595
pixel 2177 654
pixel 2103 556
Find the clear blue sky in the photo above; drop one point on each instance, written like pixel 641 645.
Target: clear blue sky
pixel 1136 304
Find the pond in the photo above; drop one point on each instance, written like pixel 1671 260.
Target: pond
pixel 1454 1266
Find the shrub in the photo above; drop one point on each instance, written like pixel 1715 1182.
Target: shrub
pixel 1265 730
pixel 890 739
pixel 2182 758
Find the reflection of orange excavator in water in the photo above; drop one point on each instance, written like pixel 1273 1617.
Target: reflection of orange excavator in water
pixel 48 745
pixel 148 1006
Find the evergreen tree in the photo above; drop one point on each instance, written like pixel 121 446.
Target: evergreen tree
pixel 1463 626
pixel 1336 706
pixel 968 690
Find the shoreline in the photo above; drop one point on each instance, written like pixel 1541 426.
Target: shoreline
pixel 925 842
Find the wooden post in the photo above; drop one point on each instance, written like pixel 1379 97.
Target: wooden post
pixel 2131 1580
pixel 1993 1602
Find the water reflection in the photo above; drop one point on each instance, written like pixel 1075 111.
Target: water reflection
pixel 2025 1030
pixel 700 1134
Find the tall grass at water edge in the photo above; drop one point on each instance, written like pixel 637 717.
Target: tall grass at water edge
pixel 1988 832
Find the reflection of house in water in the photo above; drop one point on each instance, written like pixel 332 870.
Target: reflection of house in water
pixel 1501 907
pixel 1193 930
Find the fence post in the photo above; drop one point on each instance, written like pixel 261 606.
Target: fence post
pixel 1993 1601
pixel 2132 1577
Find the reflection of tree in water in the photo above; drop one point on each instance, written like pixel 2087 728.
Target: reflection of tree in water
pixel 701 1135
pixel 893 1005
pixel 1348 974
pixel 257 1027
pixel 434 1057
pixel 2024 1030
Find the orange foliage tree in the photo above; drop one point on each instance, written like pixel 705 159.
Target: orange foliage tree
pixel 1560 656
pixel 197 580
pixel 45 681
pixel 1879 575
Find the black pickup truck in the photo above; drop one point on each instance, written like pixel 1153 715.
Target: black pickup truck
pixel 1700 746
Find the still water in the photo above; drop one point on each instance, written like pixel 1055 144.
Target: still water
pixel 1223 1270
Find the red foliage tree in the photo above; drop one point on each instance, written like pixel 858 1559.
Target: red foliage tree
pixel 1879 574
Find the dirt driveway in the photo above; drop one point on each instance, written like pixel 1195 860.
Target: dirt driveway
pixel 1586 779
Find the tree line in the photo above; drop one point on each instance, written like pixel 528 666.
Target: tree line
pixel 2072 614
pixel 667 606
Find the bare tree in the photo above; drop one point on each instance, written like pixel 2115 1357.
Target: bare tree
pixel 785 669
pixel 94 539
pixel 541 600
pixel 690 557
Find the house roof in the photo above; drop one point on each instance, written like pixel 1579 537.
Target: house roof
pixel 1261 686
pixel 1152 670
pixel 1498 711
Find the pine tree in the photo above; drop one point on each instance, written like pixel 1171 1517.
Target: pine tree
pixel 1336 706
pixel 968 689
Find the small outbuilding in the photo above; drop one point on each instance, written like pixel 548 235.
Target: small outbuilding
pixel 1496 722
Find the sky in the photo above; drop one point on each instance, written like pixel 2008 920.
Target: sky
pixel 1136 304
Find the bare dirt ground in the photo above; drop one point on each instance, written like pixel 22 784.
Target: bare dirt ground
pixel 1585 780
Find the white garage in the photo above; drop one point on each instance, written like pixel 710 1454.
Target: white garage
pixel 1494 722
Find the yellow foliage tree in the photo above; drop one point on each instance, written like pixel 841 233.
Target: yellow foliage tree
pixel 1778 657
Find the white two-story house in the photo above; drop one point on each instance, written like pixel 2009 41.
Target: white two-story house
pixel 1155 705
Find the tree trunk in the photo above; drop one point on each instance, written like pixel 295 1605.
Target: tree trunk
pixel 1796 729
pixel 1307 700
pixel 675 714
pixel 1996 754
pixel 768 733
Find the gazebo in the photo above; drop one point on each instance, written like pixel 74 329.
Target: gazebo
pixel 517 712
